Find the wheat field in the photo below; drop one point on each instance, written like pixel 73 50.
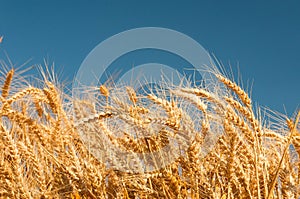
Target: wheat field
pixel 234 150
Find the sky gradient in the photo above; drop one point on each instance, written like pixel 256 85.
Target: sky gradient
pixel 261 37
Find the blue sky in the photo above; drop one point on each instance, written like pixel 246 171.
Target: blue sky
pixel 261 37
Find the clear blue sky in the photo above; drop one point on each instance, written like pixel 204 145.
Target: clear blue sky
pixel 262 37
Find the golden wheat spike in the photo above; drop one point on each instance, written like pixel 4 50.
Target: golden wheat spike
pixel 104 90
pixel 192 98
pixel 7 83
pixel 238 90
pixel 132 94
pixel 246 112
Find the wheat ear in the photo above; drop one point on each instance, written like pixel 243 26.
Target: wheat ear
pixel 132 94
pixel 7 83
pixel 238 90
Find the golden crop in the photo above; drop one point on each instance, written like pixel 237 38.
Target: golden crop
pixel 43 155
